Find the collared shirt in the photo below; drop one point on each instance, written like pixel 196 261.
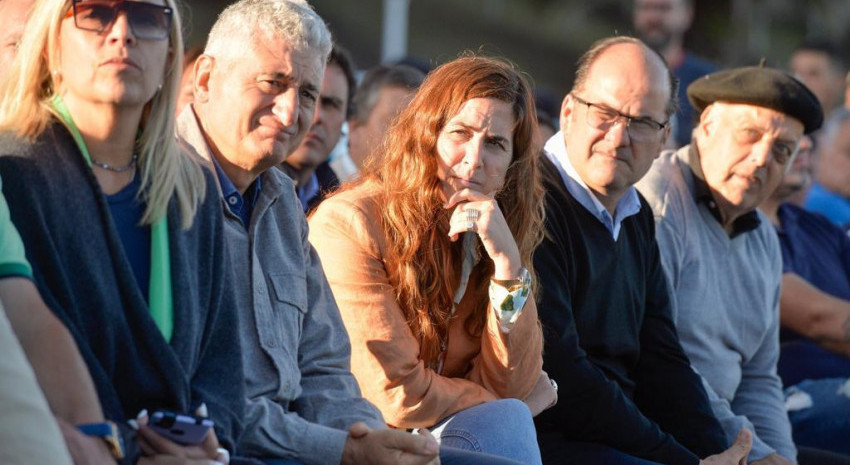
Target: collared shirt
pixel 702 194
pixel 307 191
pixel 241 206
pixel 629 204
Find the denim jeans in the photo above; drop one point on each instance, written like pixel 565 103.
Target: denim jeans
pixel 502 428
pixel 826 423
pixel 448 456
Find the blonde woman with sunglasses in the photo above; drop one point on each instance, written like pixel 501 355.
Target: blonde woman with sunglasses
pixel 123 239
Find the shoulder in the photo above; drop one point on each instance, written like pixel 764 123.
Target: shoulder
pixel 664 186
pixel 353 212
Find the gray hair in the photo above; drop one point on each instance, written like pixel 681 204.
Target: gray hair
pixel 366 96
pixel 291 20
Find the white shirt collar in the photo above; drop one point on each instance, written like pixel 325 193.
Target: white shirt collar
pixel 556 150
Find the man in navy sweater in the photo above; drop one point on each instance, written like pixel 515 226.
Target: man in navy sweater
pixel 628 394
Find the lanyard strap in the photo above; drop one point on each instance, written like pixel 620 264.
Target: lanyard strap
pixel 160 299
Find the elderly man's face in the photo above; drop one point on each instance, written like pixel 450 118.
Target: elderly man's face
pixel 257 107
pixel 744 151
pixel 13 18
pixel 658 22
pixel 624 79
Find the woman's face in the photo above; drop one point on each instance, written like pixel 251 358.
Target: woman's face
pixel 475 147
pixel 115 53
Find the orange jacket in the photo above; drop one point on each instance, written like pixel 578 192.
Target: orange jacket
pixel 385 354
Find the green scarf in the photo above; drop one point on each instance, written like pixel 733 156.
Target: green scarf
pixel 159 292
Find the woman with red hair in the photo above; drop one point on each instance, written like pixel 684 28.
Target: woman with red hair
pixel 427 257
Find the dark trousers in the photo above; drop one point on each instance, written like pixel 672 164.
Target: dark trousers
pixel 555 450
pixel 810 456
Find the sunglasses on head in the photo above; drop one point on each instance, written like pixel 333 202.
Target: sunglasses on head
pixel 147 20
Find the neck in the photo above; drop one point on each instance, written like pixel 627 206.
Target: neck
pixel 240 177
pixel 109 131
pixel 609 201
pixel 302 176
pixel 770 207
pixel 674 52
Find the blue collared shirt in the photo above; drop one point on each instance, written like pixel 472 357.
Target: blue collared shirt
pixel 239 205
pixel 308 191
pixel 628 205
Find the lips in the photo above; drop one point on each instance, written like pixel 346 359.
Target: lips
pixel 121 62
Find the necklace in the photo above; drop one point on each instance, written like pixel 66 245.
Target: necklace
pixel 116 169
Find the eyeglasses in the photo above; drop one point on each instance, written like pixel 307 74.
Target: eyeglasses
pixel 147 20
pixel 641 129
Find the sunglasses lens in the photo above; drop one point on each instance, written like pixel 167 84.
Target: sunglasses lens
pixel 93 16
pixel 147 21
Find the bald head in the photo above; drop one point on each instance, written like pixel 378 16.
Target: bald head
pixel 626 57
pixel 13 18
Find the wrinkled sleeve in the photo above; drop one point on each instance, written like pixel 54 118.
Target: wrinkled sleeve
pixel 385 355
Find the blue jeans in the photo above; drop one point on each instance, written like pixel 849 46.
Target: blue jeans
pixel 826 424
pixel 503 428
pixel 448 456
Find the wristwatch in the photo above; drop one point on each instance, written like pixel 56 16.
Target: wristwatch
pixel 107 431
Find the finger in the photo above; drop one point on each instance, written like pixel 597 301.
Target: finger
pixel 466 195
pixel 160 444
pixel 210 444
pixel 741 447
pixel 418 444
pixel 358 430
pixel 145 446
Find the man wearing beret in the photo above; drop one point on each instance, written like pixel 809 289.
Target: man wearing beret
pixel 721 255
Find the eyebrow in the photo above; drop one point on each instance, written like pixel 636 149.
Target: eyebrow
pixel 289 79
pixel 495 137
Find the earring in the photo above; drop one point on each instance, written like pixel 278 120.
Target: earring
pixel 159 87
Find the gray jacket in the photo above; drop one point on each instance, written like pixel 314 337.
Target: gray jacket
pixel 296 354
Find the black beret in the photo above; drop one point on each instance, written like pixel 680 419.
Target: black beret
pixel 764 87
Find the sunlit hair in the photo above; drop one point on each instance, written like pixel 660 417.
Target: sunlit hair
pixel 597 48
pixel 426 265
pixel 294 21
pixel 25 110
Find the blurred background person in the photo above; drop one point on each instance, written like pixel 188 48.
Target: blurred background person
pixel 383 92
pixel 830 194
pixel 814 360
pixel 818 64
pixel 13 18
pixel 414 248
pixel 307 165
pixel 662 25
pixel 186 94
pixel 120 232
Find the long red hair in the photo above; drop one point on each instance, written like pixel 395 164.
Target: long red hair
pixel 422 263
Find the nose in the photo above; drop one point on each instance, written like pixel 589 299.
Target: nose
pixel 120 31
pixel 760 153
pixel 286 107
pixel 472 153
pixel 618 133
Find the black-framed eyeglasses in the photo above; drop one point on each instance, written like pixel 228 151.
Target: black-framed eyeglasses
pixel 147 20
pixel 641 129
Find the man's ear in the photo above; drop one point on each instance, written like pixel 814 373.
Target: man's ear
pixel 567 107
pixel 706 121
pixel 201 85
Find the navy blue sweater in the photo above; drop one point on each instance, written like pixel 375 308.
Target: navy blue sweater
pixel 610 341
